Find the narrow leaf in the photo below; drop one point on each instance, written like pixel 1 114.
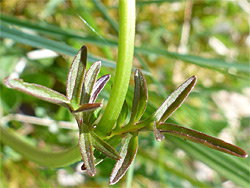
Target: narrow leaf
pixel 89 81
pixel 98 86
pixel 86 149
pixel 202 138
pixel 158 135
pixel 76 75
pixel 174 100
pixel 104 147
pixel 140 97
pixel 128 152
pixel 36 90
pixel 88 107
pixel 95 114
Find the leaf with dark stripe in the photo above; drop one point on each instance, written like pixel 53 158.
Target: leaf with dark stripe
pixel 174 100
pixel 86 149
pixel 38 91
pixel 75 76
pixel 104 147
pixel 202 138
pixel 140 97
pixel 89 81
pixel 98 86
pixel 88 107
pixel 128 152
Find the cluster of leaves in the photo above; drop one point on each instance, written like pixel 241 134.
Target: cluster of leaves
pixel 82 90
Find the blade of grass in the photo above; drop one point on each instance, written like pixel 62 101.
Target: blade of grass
pixel 102 8
pixel 216 160
pixel 151 158
pixel 213 64
pixel 43 158
pixel 130 175
pixel 204 62
pixel 143 2
pixel 38 41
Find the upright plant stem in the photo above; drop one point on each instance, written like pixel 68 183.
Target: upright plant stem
pixel 123 68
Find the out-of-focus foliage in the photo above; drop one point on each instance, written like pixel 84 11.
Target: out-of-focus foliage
pixel 218 106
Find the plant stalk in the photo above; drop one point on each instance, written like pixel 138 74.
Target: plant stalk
pixel 123 68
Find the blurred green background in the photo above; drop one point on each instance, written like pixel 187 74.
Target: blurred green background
pixel 174 40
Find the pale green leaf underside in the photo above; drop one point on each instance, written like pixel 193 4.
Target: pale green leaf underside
pixel 89 81
pixel 38 91
pixel 86 149
pixel 202 138
pixel 128 152
pixel 174 100
pixel 75 76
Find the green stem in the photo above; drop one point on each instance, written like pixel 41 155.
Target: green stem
pixel 123 71
pixel 123 68
pixel 44 158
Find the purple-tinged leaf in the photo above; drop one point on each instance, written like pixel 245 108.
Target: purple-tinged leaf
pixel 94 115
pixel 76 76
pixel 202 138
pixel 140 97
pixel 88 107
pixel 89 81
pixel 98 86
pixel 86 149
pixel 128 152
pixel 38 91
pixel 174 100
pixel 104 147
pixel 158 135
pixel 122 116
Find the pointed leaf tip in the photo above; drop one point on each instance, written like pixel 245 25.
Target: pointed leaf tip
pixel 201 138
pixel 88 107
pixel 89 81
pixel 174 100
pixel 128 152
pixel 140 97
pixel 98 86
pixel 75 76
pixel 36 90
